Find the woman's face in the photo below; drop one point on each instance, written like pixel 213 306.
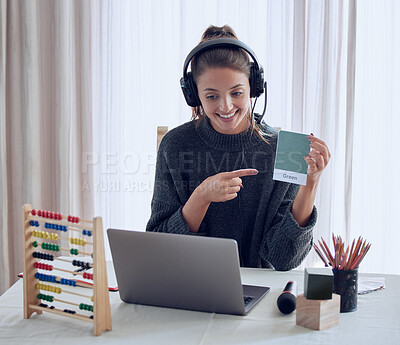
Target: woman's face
pixel 225 96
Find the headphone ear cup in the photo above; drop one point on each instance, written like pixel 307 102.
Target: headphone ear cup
pixel 189 90
pixel 256 81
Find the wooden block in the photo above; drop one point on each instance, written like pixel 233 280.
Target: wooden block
pixel 317 314
pixel 318 283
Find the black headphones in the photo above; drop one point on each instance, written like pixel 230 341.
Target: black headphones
pixel 188 84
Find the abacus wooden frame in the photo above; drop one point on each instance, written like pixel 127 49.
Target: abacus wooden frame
pixel 101 301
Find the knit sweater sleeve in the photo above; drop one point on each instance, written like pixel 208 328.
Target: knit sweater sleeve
pixel 169 196
pixel 285 243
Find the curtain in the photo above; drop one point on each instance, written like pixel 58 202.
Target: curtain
pixel 45 116
pixel 375 183
pixel 4 262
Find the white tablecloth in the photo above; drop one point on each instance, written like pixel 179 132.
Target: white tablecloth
pixel 377 321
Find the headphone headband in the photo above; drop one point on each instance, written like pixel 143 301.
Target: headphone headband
pixel 219 43
pixel 188 85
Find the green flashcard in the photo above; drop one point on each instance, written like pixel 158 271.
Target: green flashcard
pixel 290 165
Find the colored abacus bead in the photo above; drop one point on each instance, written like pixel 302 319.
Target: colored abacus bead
pixel 45 297
pixel 55 227
pixel 45 256
pixel 78 241
pixel 87 275
pixel 70 282
pixel 46 277
pixel 82 264
pixel 35 244
pixel 46 287
pixel 33 212
pixel 84 306
pixel 45 235
pixel 77 263
pixel 51 246
pixel 73 219
pixel 39 213
pixel 43 266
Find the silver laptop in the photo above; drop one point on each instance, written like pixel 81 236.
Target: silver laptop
pixel 181 271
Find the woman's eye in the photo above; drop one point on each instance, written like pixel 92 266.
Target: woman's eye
pixel 211 97
pixel 237 93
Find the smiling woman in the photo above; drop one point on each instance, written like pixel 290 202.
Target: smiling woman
pixel 225 97
pixel 271 221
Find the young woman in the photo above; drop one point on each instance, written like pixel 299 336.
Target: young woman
pixel 214 173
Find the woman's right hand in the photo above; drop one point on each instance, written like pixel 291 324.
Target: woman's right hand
pixel 223 186
pixel 217 188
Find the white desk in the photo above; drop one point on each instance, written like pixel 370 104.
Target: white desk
pixel 377 321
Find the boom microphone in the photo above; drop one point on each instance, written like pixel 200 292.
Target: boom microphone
pixel 287 300
pixel 259 117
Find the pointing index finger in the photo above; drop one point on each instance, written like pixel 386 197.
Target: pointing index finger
pixel 242 172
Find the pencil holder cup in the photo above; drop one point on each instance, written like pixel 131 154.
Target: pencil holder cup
pixel 345 284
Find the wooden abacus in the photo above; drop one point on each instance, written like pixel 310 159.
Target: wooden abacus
pixel 36 224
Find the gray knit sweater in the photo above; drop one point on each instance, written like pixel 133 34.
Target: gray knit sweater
pixel 259 219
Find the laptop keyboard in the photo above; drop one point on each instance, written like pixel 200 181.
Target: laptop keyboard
pixel 247 299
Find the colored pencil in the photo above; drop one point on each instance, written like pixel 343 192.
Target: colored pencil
pixel 321 256
pixel 344 257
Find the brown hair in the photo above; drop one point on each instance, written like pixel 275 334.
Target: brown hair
pixel 232 57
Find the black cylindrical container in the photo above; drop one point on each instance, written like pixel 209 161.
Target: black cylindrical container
pixel 345 284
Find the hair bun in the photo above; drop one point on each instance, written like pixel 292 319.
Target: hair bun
pixel 218 32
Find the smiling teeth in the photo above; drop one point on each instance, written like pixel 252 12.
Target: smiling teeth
pixel 227 116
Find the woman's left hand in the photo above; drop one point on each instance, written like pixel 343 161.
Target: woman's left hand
pixel 317 159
